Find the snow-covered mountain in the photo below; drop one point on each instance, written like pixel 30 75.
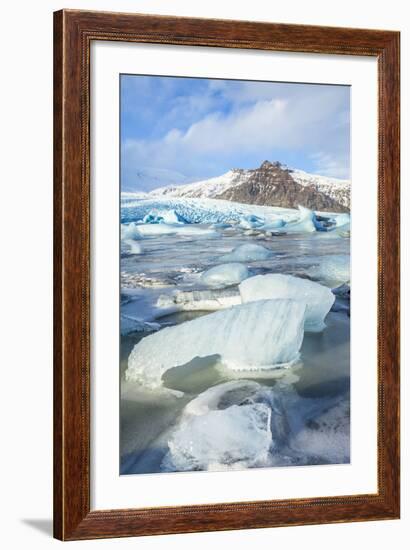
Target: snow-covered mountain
pixel 272 184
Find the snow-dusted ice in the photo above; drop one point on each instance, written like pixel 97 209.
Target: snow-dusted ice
pixel 224 275
pixel 259 335
pixel 317 298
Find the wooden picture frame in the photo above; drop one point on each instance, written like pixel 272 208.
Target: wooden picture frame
pixel 74 32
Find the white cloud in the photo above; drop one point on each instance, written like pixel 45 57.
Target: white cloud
pixel 311 120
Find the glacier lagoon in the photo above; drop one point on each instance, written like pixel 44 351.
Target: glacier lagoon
pixel 186 405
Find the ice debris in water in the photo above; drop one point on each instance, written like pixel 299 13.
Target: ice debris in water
pixel 199 300
pixel 317 298
pixel 259 335
pixel 247 253
pixel 325 437
pixel 332 270
pixel 224 275
pixel 130 231
pixel 216 435
pixel 134 247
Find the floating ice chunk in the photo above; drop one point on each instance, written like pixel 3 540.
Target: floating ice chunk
pixel 211 398
pixel 273 225
pixel 332 270
pixel 133 246
pixel 317 298
pixel 250 221
pixel 304 224
pixel 129 324
pixel 247 253
pixel 199 300
pixel 224 275
pixel 130 231
pixel 259 335
pixel 236 437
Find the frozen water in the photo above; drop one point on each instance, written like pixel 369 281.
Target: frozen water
pixel 133 246
pixel 163 216
pixel 247 253
pixel 234 437
pixel 326 435
pixel 199 300
pixel 259 335
pixel 222 428
pixel 317 298
pixel 224 275
pixel 304 224
pixel 130 231
pixel 212 397
pixel 332 270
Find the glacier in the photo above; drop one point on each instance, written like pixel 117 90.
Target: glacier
pixel 318 299
pixel 258 335
pixel 224 275
pixel 247 253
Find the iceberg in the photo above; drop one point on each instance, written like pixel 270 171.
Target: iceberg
pixel 304 224
pixel 198 300
pixel 236 437
pixel 247 253
pixel 130 231
pixel 318 299
pixel 332 270
pixel 258 335
pixel 250 221
pixel 224 275
pixel 222 428
pixel 164 216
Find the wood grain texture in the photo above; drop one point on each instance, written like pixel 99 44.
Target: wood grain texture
pixel 73 33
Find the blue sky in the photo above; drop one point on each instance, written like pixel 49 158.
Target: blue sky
pixel 187 129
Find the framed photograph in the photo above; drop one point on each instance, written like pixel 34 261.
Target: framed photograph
pixel 226 287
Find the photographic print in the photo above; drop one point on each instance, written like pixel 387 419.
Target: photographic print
pixel 235 274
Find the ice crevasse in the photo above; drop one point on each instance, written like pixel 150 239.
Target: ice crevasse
pixel 258 335
pixel 317 298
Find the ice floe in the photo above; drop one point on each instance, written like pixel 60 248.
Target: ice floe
pixel 317 298
pixel 224 275
pixel 258 335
